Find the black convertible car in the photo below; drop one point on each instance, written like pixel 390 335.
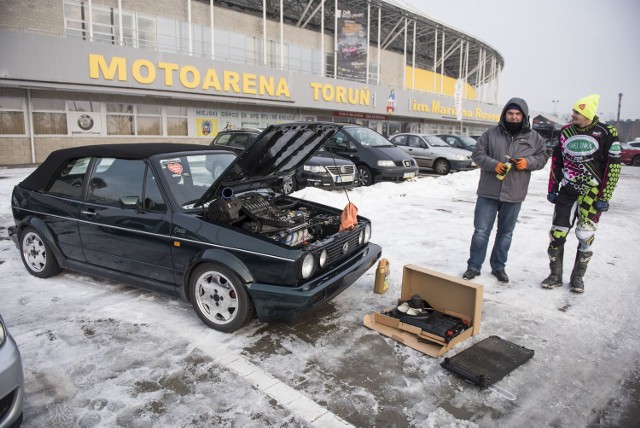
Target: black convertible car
pixel 157 216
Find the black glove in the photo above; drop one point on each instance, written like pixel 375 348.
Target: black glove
pixel 601 205
pixel 551 197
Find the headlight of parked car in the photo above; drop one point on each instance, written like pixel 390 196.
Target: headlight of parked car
pixel 313 168
pixel 386 163
pixel 308 265
pixel 460 157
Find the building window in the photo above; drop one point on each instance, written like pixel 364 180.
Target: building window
pixel 120 119
pixel 49 117
pixel 103 28
pixel 75 22
pixel 148 120
pixel 146 31
pixel 177 121
pixel 167 35
pixel 128 29
pixel 11 116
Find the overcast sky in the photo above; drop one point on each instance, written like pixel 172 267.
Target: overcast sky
pixel 556 49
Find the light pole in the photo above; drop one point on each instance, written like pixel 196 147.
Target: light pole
pixel 555 103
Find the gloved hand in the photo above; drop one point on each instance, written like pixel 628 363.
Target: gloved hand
pixel 521 163
pixel 500 168
pixel 601 205
pixel 551 197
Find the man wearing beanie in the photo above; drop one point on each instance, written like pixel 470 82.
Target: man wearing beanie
pixel 512 138
pixel 585 167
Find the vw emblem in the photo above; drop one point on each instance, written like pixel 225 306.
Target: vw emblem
pixel 343 169
pixel 345 248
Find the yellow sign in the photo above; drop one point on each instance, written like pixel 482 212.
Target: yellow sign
pixel 146 72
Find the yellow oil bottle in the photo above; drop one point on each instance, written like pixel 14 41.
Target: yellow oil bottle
pixel 382 277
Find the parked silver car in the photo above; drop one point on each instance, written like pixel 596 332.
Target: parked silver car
pixel 11 380
pixel 432 152
pixel 459 141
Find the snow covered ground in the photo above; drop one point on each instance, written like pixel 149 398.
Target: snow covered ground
pixel 98 353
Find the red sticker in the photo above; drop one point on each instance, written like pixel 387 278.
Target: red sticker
pixel 582 106
pixel 175 168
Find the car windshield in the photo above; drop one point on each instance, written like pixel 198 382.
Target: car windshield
pixel 435 141
pixel 468 141
pixel 368 137
pixel 189 176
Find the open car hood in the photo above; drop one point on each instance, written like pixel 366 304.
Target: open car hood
pixel 279 151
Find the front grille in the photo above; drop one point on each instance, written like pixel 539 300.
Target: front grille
pixel 344 169
pixel 335 249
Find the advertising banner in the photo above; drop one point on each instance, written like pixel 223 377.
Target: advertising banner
pixel 352 45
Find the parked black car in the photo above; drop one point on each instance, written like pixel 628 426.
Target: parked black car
pixel 154 216
pixel 375 157
pixel 323 170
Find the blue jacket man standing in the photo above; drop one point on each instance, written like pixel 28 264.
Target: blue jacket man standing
pixel 512 140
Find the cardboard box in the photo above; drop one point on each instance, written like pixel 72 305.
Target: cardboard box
pixel 448 294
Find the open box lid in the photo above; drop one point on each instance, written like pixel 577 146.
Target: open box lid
pixel 445 293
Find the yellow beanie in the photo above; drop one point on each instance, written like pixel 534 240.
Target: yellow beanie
pixel 587 106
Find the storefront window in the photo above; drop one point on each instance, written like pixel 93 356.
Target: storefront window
pixel 11 116
pixel 148 120
pixel 120 119
pixel 177 121
pixel 49 117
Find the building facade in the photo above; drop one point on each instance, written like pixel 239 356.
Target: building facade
pixel 112 71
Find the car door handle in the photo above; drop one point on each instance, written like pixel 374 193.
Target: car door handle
pixel 89 213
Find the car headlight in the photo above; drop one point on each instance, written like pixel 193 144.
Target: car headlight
pixel 460 157
pixel 324 257
pixel 308 265
pixel 386 163
pixel 365 235
pixel 313 168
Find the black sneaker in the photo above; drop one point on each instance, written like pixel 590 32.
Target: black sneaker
pixel 501 275
pixel 470 274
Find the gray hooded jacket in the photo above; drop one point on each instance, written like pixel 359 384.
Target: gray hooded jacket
pixel 495 144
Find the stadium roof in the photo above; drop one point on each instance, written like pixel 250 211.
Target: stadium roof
pixel 461 54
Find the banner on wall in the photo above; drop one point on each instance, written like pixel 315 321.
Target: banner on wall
pixel 84 123
pixel 457 98
pixel 352 45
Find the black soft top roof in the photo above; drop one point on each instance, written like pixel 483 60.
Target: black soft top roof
pixel 42 176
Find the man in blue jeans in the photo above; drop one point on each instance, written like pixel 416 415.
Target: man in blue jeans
pixel 511 140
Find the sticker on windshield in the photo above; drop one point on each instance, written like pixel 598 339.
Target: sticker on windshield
pixel 175 168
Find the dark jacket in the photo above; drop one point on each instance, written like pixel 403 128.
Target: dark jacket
pixel 495 144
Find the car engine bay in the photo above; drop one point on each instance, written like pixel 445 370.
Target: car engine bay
pixel 282 219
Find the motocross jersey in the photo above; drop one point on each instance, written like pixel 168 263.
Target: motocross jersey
pixel 586 158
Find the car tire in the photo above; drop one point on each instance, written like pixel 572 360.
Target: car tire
pixel 364 176
pixel 441 167
pixel 289 185
pixel 219 298
pixel 37 255
pixel 636 161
